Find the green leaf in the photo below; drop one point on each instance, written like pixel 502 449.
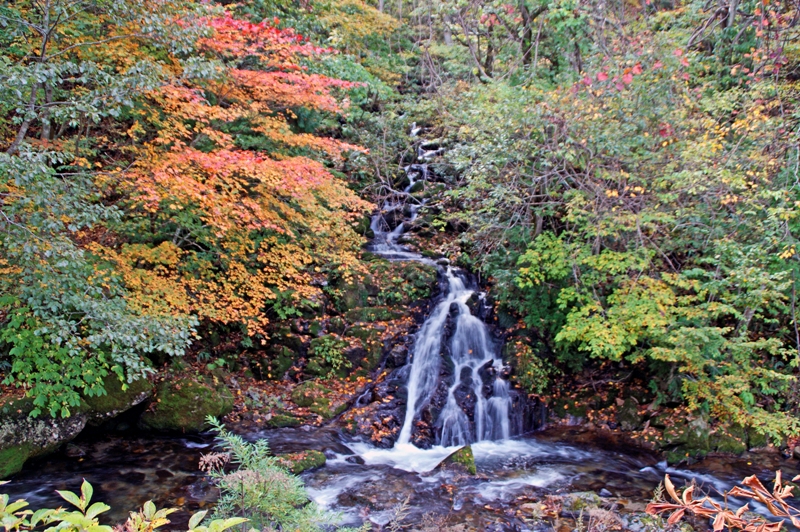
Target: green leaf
pixel 196 519
pixel 70 498
pixel 96 509
pixel 86 493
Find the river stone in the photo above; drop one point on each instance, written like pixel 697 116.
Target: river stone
pixel 582 500
pixel 116 400
pixel 183 405
pixel 23 437
pixel 302 461
pixel 461 459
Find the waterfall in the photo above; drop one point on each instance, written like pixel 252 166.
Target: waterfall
pixel 474 355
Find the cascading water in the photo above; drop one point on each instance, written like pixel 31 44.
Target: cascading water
pixel 470 347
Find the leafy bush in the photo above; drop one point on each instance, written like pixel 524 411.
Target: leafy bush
pixel 260 488
pixel 15 517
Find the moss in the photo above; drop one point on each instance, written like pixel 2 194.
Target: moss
pixel 280 359
pixel 755 439
pixel 308 393
pixel 370 314
pixel 727 443
pixel 183 405
pixel 628 415
pixel 316 398
pixel 464 458
pixel 13 458
pixel 583 500
pixel 117 400
pixel 303 461
pixel 282 420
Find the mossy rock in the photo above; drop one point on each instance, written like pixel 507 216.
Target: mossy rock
pixel 756 440
pixel 463 458
pixel 309 393
pixel 372 314
pixel 582 500
pixel 315 397
pixel 352 295
pixel 303 461
pixel 13 458
pixel 280 421
pixel 116 400
pixel 628 415
pixel 23 437
pixel 727 443
pixel 280 358
pixel 183 405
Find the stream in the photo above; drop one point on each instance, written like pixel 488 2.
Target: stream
pixel 476 405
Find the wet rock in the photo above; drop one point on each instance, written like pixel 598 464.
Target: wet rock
pixel 355 459
pixel 74 451
pixel 583 500
pixel 462 459
pixel 23 437
pixel 302 461
pixel 183 404
pixel 397 357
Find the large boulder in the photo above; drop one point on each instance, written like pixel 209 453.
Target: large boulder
pixel 117 400
pixel 23 437
pixel 182 405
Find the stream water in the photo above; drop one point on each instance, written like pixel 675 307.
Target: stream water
pixel 363 482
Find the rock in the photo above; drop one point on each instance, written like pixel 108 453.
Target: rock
pixel 279 361
pixel 183 405
pixel 756 440
pixel 731 440
pixel 582 500
pixel 116 400
pixel 23 437
pixel 283 420
pixel 462 459
pixel 796 453
pixel 628 415
pixel 302 461
pixel 73 451
pixel 371 314
pixel 605 493
pixel 397 357
pixel 314 397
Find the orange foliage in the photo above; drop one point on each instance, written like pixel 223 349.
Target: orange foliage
pixel 245 225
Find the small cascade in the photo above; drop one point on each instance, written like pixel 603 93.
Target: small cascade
pixel 478 370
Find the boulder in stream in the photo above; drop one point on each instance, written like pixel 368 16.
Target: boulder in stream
pixel 462 459
pixel 302 461
pixel 23 437
pixel 182 405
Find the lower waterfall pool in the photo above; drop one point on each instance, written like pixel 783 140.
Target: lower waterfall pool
pixel 362 483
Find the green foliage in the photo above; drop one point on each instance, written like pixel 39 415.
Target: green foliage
pixel 15 517
pixel 330 350
pixel 635 202
pixel 260 488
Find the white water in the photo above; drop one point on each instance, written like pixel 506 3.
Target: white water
pixel 470 349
